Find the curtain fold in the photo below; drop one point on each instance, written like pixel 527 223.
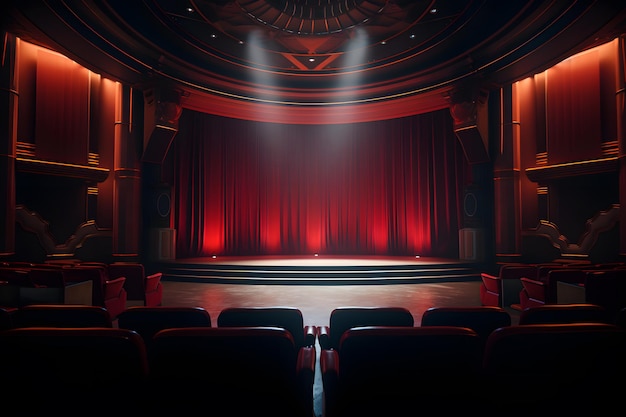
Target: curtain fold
pixel 378 188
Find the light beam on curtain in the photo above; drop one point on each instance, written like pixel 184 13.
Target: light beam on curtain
pixel 380 188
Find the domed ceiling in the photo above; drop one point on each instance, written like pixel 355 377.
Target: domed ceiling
pixel 317 52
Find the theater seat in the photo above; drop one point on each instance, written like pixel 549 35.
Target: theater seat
pixel 502 290
pixel 289 318
pixel 148 321
pixel 482 319
pixel 114 296
pixel 235 371
pixel 533 293
pixel 555 369
pixel 61 315
pixel 565 313
pixel 72 372
pixel 344 318
pixel 402 371
pixel 141 289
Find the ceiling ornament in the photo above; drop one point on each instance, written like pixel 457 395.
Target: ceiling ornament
pixel 312 17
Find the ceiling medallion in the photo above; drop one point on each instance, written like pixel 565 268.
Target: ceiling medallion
pixel 312 17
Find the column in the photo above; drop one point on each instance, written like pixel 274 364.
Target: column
pixel 127 185
pixel 506 179
pixel 8 136
pixel 621 137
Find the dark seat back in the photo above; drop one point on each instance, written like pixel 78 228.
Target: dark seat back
pixel 482 319
pixel 72 371
pixel 148 321
pixel 61 315
pixel 565 313
pixel 289 318
pixel 244 370
pixel 556 368
pixel 344 318
pixel 391 370
pixel 134 273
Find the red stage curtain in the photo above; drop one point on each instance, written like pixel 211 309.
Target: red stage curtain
pixel 380 188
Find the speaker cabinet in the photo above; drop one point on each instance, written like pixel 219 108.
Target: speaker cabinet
pixel 473 207
pixel 162 109
pixel 473 144
pixel 163 244
pixel 471 244
pixel 469 114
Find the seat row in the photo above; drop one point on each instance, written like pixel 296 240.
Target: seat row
pixel 171 361
pixel 522 285
pixel 113 286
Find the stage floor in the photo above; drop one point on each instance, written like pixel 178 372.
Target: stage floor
pixel 320 269
pixel 321 260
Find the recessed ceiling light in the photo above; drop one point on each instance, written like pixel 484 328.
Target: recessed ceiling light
pixel 433 10
pixel 311 59
pixel 412 36
pixel 189 10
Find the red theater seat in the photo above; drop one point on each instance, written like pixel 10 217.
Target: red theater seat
pixel 344 318
pixel 61 315
pixel 555 369
pixel 115 296
pixel 238 371
pixel 141 289
pixel 482 319
pixel 402 371
pixel 289 318
pixel 72 372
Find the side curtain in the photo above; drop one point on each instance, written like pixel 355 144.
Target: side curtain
pixel 379 188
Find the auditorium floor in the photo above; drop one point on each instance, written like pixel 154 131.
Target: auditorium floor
pixel 317 301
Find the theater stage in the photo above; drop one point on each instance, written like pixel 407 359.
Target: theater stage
pixel 322 269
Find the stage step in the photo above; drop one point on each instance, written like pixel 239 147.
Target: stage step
pixel 313 275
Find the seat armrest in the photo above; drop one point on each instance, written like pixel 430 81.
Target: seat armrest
pixel 113 287
pixel 491 282
pixel 305 369
pixel 310 333
pixel 323 336
pixel 534 288
pixel 306 360
pixel 153 281
pixel 329 366
pixel 329 361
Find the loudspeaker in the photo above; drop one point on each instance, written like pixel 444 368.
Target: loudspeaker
pixel 159 207
pixel 473 144
pixel 162 109
pixel 473 206
pixel 469 113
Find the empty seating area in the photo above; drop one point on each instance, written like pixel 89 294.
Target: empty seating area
pixel 520 286
pixel 114 286
pixel 369 361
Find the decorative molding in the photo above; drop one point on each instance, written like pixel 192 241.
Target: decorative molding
pixel 599 223
pixel 93 159
pixel 25 149
pixel 83 172
pixel 32 222
pixel 610 148
pixel 571 169
pixel 541 158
